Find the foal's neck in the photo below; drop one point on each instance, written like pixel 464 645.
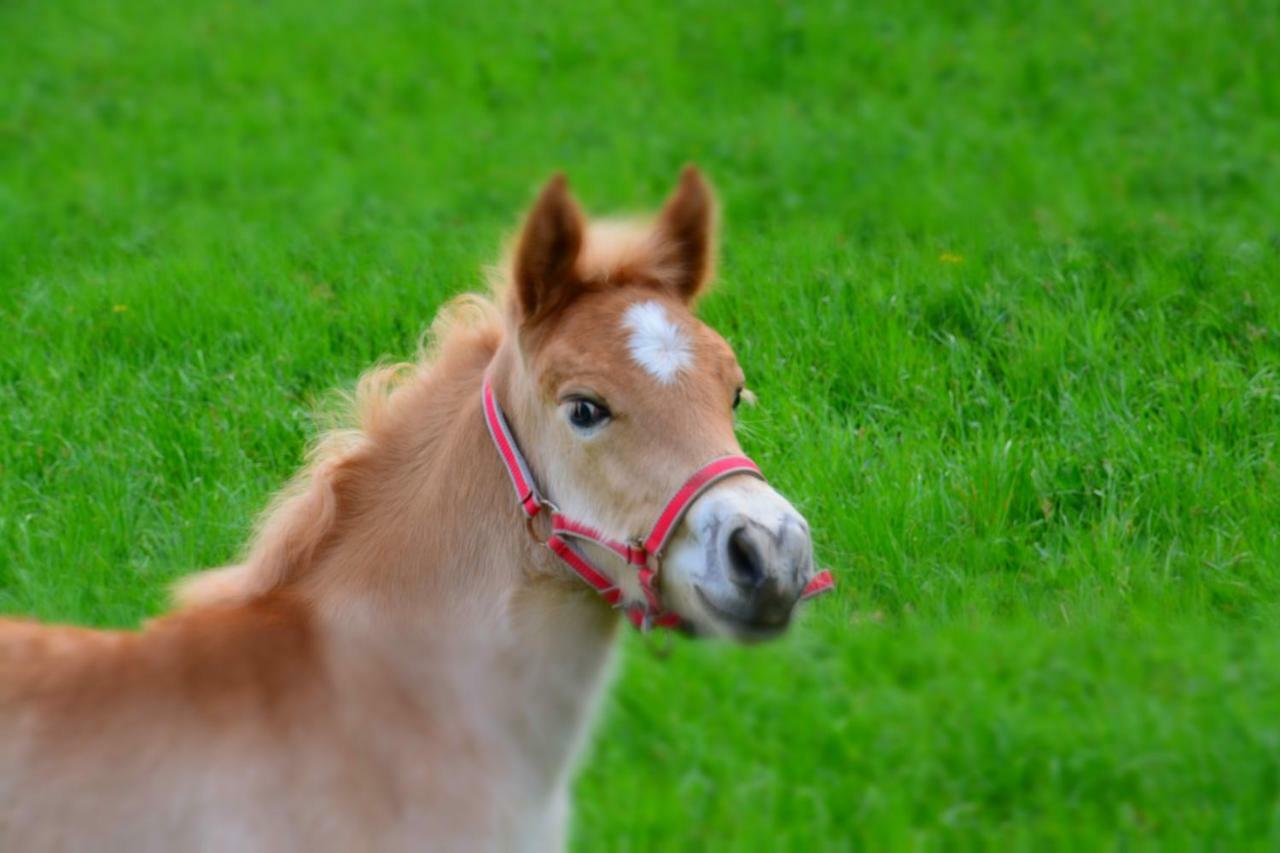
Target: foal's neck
pixel 435 577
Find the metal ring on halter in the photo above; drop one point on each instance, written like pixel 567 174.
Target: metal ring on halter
pixel 529 519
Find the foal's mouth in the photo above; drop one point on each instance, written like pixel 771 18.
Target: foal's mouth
pixel 744 629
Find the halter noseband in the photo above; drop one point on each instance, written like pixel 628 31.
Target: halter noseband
pixel 645 555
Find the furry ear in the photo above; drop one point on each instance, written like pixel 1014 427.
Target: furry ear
pixel 686 231
pixel 547 251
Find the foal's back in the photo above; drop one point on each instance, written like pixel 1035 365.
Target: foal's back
pixel 139 737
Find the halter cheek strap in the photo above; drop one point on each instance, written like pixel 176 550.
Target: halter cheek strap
pixel 644 555
pixel 512 460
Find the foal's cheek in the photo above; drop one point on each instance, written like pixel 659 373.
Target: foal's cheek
pixel 686 567
pixel 686 564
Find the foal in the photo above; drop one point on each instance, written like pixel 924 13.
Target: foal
pixel 399 662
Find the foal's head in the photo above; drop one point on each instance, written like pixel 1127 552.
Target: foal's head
pixel 618 393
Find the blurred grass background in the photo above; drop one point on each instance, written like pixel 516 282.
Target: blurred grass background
pixel 1004 276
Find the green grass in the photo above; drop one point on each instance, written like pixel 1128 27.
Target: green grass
pixel 1006 278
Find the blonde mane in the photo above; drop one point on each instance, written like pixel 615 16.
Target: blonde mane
pixel 298 520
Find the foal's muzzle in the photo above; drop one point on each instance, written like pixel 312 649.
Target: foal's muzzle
pixel 768 569
pixel 756 560
pixel 766 572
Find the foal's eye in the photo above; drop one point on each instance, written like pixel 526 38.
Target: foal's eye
pixel 587 414
pixel 737 397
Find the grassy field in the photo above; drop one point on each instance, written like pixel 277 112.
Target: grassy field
pixel 1005 276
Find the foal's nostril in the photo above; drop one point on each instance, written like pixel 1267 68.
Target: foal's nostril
pixel 771 605
pixel 746 567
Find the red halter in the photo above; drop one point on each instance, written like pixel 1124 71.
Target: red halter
pixel 645 556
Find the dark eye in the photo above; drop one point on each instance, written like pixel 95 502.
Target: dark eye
pixel 586 414
pixel 737 397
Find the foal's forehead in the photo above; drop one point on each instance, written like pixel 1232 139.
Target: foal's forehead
pixel 639 337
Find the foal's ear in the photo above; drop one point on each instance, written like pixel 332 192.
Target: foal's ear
pixel 686 230
pixel 547 250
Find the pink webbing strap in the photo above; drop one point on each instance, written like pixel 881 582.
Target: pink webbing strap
pixel 637 616
pixel 583 569
pixel 521 477
pixel 568 527
pixel 702 479
pixel 822 582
